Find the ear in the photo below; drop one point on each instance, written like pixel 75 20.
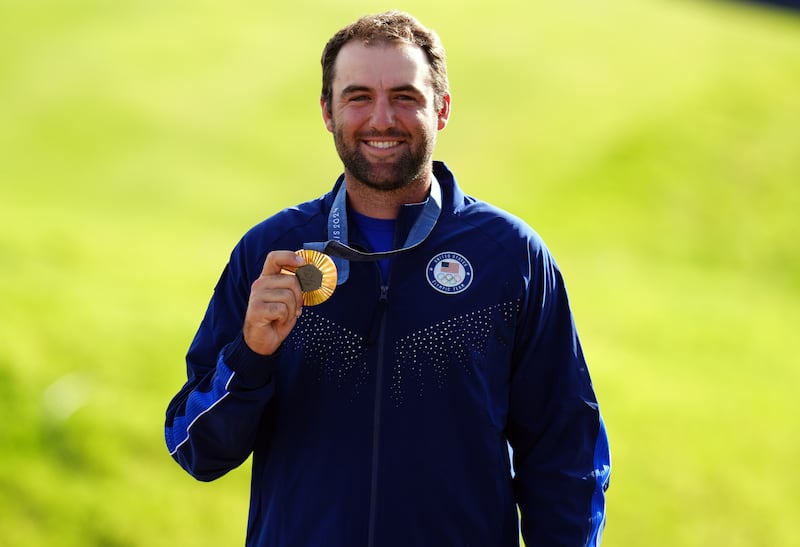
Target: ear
pixel 326 114
pixel 444 112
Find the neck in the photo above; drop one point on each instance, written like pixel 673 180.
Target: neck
pixel 385 204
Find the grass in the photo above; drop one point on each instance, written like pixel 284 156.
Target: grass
pixel 653 144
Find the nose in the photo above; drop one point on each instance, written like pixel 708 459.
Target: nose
pixel 382 116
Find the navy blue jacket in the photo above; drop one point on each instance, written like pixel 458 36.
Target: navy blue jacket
pixel 385 417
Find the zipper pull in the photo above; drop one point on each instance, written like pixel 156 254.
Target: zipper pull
pixel 377 320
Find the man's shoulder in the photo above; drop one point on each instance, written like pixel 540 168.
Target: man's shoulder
pixel 468 207
pixel 482 213
pixel 303 221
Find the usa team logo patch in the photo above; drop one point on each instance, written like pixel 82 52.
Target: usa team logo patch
pixel 449 273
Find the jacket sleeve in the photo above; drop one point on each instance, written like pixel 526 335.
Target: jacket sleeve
pixel 560 448
pixel 212 422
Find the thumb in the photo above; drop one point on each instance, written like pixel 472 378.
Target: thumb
pixel 277 260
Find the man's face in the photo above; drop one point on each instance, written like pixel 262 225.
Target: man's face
pixel 382 114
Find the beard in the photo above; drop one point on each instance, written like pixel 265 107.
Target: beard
pixel 387 176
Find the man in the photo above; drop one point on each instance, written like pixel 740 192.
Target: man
pixel 382 416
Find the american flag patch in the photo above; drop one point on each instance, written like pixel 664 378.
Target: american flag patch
pixel 449 273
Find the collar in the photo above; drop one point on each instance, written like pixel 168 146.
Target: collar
pixel 342 254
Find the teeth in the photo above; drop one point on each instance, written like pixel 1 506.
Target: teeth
pixel 383 144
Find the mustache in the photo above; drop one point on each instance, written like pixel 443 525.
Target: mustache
pixel 389 134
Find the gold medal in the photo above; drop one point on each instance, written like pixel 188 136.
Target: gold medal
pixel 317 276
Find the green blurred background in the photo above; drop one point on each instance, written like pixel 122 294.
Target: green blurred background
pixel 655 145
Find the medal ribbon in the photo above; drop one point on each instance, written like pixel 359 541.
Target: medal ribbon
pixel 337 245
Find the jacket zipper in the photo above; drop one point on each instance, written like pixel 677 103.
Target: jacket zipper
pixel 376 421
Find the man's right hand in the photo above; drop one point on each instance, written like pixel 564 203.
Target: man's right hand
pixel 276 302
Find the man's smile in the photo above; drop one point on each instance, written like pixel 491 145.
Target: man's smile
pixel 382 144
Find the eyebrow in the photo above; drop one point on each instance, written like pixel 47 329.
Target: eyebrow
pixel 354 89
pixel 350 89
